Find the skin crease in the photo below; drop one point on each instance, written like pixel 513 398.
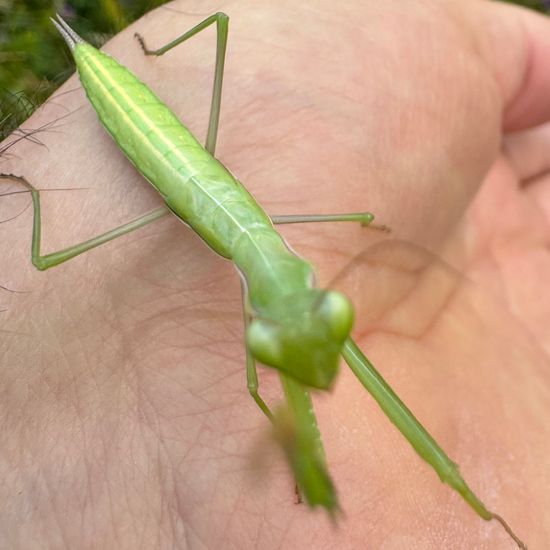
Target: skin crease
pixel 125 417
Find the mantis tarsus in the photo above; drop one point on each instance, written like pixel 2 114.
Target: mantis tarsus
pixel 291 325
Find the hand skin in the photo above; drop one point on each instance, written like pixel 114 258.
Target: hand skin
pixel 125 417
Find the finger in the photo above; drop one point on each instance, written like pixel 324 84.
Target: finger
pixel 517 46
pixel 528 152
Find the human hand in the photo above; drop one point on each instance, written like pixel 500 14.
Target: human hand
pixel 125 413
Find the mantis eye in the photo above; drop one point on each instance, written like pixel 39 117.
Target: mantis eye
pixel 262 338
pixel 336 310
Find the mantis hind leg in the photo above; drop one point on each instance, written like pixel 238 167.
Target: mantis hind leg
pixel 222 21
pixel 364 218
pixel 46 261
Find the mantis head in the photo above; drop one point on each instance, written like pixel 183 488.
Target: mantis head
pixel 303 335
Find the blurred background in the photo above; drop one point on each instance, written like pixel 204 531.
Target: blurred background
pixel 34 60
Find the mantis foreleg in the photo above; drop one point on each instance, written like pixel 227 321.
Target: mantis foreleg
pixel 422 442
pixel 296 429
pixel 251 371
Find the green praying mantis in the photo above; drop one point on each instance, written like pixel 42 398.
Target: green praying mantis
pixel 291 325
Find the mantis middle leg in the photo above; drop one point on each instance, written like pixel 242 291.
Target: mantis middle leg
pixel 364 218
pixel 222 21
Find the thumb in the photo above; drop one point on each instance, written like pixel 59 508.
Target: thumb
pixel 516 45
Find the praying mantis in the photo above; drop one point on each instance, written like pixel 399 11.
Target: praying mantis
pixel 306 352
